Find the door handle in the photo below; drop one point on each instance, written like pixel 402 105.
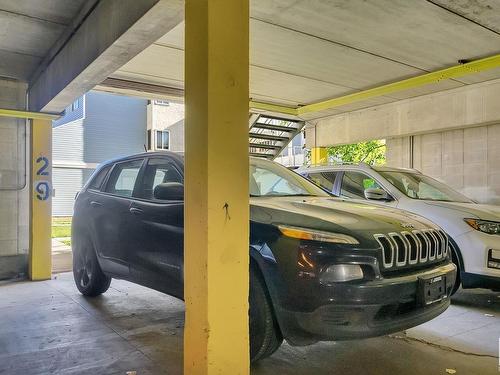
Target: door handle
pixel 135 210
pixel 95 204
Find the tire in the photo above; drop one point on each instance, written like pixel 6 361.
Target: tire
pixel 88 276
pixel 265 336
pixel 458 281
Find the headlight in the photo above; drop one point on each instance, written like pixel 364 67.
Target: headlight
pixel 316 235
pixel 490 227
pixel 340 273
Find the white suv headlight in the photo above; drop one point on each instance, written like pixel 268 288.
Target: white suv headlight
pixel 485 226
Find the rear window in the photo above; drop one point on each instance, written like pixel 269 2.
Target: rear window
pixel 123 177
pixel 323 179
pixel 98 180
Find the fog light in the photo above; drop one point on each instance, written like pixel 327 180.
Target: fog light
pixel 494 259
pixel 338 273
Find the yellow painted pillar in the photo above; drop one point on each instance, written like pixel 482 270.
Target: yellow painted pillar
pixel 40 261
pixel 216 250
pixel 319 155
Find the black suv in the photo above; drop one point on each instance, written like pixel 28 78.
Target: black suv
pixel 321 268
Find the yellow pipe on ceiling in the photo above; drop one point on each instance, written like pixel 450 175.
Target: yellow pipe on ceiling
pixel 456 71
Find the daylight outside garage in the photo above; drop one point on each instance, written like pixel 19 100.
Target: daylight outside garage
pixel 235 187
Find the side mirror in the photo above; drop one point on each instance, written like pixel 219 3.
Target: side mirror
pixel 169 191
pixel 377 194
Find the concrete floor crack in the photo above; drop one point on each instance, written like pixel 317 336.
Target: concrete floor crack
pixel 441 347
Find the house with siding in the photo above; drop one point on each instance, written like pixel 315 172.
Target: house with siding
pixel 94 128
pixel 101 126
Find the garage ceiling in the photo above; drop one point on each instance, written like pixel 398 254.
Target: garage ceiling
pixel 302 51
pixel 28 29
pixel 307 51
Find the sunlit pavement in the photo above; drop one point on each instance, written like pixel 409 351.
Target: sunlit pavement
pixel 48 327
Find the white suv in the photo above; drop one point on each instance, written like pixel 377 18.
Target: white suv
pixel 474 229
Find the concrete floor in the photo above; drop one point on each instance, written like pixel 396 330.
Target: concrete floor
pixel 49 328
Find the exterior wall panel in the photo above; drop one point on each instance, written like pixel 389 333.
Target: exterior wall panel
pixel 466 159
pixel 14 186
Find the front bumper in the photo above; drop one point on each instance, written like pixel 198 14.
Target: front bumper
pixel 472 280
pixel 475 247
pixel 371 309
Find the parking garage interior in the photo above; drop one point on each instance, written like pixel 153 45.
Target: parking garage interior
pixel 424 75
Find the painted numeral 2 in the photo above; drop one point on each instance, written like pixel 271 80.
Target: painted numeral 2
pixel 42 171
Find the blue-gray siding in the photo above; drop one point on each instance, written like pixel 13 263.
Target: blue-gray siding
pixel 67 182
pixel 110 126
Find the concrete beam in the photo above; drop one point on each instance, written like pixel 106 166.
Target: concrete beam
pixel 468 106
pixel 108 37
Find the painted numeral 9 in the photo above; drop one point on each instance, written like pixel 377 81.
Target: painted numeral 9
pixel 42 189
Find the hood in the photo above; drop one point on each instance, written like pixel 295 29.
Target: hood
pixel 472 210
pixel 335 215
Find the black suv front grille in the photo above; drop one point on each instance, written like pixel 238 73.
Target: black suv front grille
pixel 408 250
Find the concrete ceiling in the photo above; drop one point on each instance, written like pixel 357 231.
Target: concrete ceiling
pixel 305 51
pixel 302 51
pixel 28 29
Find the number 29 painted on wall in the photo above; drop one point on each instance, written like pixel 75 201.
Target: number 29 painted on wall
pixel 42 187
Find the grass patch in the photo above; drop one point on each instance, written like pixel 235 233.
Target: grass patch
pixel 66 242
pixel 61 227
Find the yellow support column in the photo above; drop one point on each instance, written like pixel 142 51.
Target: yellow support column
pixel 216 249
pixel 40 262
pixel 319 155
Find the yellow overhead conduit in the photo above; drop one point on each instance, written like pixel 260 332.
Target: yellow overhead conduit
pixel 456 71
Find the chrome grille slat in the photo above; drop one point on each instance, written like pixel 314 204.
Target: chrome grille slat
pixel 407 248
pixel 446 244
pixel 434 244
pixel 423 240
pixel 385 250
pixel 412 260
pixel 399 249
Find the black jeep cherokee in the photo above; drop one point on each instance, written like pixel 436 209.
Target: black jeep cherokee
pixel 320 268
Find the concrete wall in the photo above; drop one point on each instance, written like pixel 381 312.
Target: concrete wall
pixel 14 187
pixel 466 159
pixel 466 106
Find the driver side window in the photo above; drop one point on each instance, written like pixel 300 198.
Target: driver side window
pixel 158 171
pixel 354 184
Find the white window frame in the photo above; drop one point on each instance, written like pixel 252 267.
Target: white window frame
pixel 160 146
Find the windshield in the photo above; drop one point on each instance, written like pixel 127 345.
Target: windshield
pixel 419 186
pixel 271 179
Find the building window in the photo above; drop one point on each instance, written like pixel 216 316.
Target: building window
pixel 162 139
pixel 75 105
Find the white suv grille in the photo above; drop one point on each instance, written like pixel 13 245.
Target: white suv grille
pixel 403 249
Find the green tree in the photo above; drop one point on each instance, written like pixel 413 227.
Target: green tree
pixel 371 152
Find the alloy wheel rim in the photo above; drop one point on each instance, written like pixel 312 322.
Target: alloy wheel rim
pixel 85 270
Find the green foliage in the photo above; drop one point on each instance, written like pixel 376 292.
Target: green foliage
pixel 371 152
pixel 61 227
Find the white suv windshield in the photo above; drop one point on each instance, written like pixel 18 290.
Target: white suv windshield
pixel 271 179
pixel 419 186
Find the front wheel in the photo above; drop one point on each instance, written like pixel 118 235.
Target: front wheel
pixel 88 276
pixel 265 336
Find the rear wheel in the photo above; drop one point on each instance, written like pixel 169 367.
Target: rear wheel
pixel 265 336
pixel 89 278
